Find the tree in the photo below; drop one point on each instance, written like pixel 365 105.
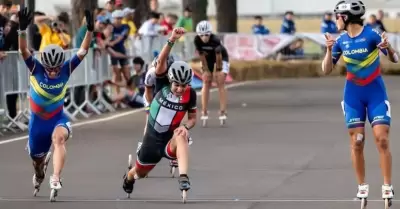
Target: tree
pixel 142 10
pixel 78 11
pixel 226 15
pixel 199 10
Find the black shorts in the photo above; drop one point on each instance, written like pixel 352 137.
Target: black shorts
pixel 121 61
pixel 153 149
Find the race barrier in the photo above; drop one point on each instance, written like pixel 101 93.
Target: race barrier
pixel 87 94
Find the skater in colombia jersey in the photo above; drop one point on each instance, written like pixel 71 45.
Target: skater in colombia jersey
pixel 364 92
pixel 48 84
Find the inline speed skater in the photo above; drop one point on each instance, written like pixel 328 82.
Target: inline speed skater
pixel 364 90
pixel 215 61
pixel 48 84
pixel 149 92
pixel 165 136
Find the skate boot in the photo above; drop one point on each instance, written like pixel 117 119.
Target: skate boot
pixel 362 194
pixel 222 118
pixel 387 195
pixel 55 185
pixel 37 179
pixel 173 164
pixel 184 186
pixel 127 185
pixel 204 118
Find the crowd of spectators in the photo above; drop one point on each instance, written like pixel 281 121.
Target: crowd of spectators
pixel 295 50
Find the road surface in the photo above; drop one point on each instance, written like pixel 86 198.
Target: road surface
pixel 285 146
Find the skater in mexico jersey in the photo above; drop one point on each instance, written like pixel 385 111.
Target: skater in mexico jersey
pixel 364 92
pixel 165 136
pixel 48 84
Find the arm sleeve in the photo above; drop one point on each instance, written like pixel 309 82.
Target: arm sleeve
pixel 31 63
pixel 197 44
pixel 193 101
pixel 336 52
pixel 149 81
pixel 72 64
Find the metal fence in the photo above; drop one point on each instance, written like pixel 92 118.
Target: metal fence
pixel 95 69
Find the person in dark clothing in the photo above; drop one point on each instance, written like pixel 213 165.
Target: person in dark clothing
pixel 379 20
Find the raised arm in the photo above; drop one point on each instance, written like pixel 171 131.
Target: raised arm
pixel 88 37
pixel 25 19
pixel 161 66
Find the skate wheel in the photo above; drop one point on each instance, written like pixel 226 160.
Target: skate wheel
pixel 204 123
pixel 130 161
pixel 172 171
pixel 128 196
pixel 184 196
pixel 222 122
pixel 387 203
pixel 35 192
pixel 53 195
pixel 363 203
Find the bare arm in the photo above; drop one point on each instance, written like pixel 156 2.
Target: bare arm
pixel 23 45
pixel 191 122
pixel 161 67
pixel 204 63
pixel 85 45
pixel 148 94
pixel 327 63
pixel 392 55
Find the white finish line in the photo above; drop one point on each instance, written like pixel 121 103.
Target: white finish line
pixel 39 199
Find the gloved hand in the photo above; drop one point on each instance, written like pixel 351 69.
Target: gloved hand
pixel 89 20
pixel 25 18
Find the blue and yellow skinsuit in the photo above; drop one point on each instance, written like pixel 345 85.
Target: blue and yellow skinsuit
pixel 46 104
pixel 364 91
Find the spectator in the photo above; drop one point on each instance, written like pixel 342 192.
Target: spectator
pixel 128 20
pixel 168 23
pixel 154 5
pixel 151 27
pixel 100 12
pixel 294 51
pixel 288 25
pixel 100 25
pixel 328 25
pixel 140 72
pixel 5 6
pixel 110 5
pixel 372 22
pixel 258 28
pixel 11 34
pixel 37 37
pixel 379 20
pixel 119 5
pixel 185 21
pixel 118 37
pixel 55 33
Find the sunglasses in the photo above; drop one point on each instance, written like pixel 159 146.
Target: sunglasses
pixel 341 16
pixel 53 69
pixel 204 35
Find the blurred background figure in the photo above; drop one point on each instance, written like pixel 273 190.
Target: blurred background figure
pixel 288 24
pixel 258 27
pixel 328 25
pixel 53 30
pixel 185 21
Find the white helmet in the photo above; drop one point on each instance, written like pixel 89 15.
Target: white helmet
pixel 204 27
pixel 52 56
pixel 180 72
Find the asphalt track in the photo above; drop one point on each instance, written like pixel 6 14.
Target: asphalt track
pixel 285 146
